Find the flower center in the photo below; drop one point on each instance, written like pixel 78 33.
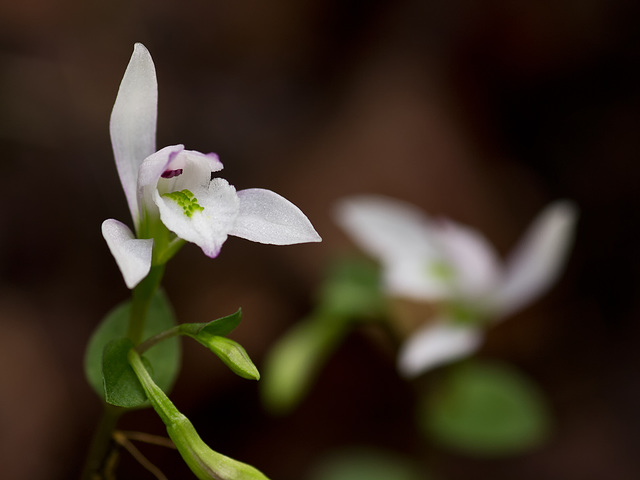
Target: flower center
pixel 186 200
pixel 462 314
pixel 440 270
pixel 172 173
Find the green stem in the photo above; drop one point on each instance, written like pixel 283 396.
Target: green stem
pixel 101 443
pixel 159 400
pixel 140 299
pixel 151 341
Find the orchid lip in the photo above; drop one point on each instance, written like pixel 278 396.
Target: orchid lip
pixel 172 173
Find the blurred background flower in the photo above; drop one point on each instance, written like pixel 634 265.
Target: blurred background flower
pixel 480 111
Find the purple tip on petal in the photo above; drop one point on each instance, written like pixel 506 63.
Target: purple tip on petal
pixel 171 173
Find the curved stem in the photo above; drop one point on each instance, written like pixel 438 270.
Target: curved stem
pixel 151 341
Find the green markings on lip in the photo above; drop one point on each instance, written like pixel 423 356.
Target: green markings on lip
pixel 186 200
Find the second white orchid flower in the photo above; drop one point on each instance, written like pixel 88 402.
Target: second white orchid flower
pixel 454 266
pixel 171 194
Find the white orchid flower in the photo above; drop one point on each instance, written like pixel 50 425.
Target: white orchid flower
pixel 454 266
pixel 171 194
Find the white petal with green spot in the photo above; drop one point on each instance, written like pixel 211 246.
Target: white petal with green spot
pixel 203 216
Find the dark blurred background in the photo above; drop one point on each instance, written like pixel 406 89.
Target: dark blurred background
pixel 484 111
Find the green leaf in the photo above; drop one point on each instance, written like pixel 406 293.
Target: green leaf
pixel 366 464
pixel 164 357
pixel 352 289
pixel 485 408
pixel 121 384
pixel 221 326
pixel 295 360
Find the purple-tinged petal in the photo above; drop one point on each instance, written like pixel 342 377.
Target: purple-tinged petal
pixel 154 165
pixel 535 264
pixel 133 122
pixel 132 255
pixel 174 168
pixel 437 344
pixel 266 217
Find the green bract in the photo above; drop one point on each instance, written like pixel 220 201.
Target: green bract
pixel 294 362
pixel 211 335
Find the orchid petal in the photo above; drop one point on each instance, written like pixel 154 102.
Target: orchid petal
pixel 538 259
pixel 191 168
pixel 436 344
pixel 266 217
pixel 194 169
pixel 156 164
pixel 474 262
pixel 386 228
pixel 133 122
pixel 132 255
pixel 209 222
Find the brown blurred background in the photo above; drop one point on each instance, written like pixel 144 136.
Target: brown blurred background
pixel 481 110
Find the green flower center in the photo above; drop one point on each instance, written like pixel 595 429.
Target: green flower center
pixel 440 270
pixel 186 200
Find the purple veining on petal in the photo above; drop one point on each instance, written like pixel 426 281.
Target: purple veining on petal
pixel 172 173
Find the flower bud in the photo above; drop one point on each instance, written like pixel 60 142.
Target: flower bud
pixel 232 354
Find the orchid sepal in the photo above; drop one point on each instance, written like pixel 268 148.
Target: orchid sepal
pixel 266 217
pixel 133 123
pixel 133 256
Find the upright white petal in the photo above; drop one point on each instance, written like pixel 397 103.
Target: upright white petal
pixel 385 228
pixel 133 122
pixel 437 344
pixel 206 220
pixel 266 217
pixel 132 255
pixel 538 259
pixel 475 265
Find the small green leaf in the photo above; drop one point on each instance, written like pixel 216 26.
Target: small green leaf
pixel 222 326
pixel 164 357
pixel 367 464
pixel 486 408
pixel 231 353
pixel 295 360
pixel 352 289
pixel 121 384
